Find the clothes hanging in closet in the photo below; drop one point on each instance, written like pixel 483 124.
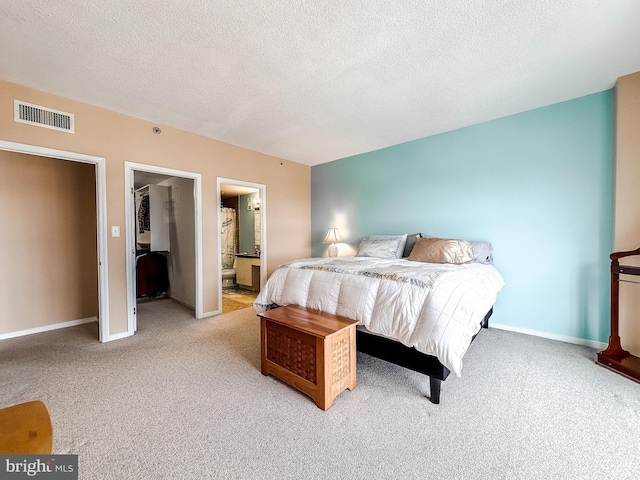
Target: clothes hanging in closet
pixel 144 222
pixel 152 275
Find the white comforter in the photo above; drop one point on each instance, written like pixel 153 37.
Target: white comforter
pixel 436 308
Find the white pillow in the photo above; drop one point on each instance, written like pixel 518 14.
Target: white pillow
pixel 382 246
pixel 482 252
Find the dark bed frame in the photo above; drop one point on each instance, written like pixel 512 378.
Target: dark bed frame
pixel 408 357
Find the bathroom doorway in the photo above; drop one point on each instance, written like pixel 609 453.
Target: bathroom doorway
pixel 242 242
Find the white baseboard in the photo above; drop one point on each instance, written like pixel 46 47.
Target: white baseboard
pixel 46 328
pixel 552 336
pixel 184 304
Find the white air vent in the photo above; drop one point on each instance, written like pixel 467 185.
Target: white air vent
pixel 42 116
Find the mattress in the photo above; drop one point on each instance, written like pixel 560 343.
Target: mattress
pixel 436 308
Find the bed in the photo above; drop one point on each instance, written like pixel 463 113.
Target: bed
pixel 419 314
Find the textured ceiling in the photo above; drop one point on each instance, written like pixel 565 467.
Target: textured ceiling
pixel 314 81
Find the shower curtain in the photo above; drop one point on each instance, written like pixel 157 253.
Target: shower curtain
pixel 228 234
pixel 257 228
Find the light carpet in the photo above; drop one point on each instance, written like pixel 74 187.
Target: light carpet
pixel 184 399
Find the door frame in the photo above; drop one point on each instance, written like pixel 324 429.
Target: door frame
pixel 129 171
pixel 263 230
pixel 101 217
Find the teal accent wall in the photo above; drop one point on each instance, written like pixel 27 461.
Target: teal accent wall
pixel 246 224
pixel 538 185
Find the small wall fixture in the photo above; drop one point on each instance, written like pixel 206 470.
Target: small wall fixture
pixel 253 203
pixel 157 130
pixel 333 237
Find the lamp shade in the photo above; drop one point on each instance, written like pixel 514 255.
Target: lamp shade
pixel 332 236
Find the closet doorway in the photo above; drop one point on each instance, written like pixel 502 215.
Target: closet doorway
pixel 164 242
pixel 100 231
pixel 242 242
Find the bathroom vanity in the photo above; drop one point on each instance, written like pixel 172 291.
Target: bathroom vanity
pixel 248 271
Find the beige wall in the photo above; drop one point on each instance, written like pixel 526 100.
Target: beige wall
pixel 120 138
pixel 48 247
pixel 182 256
pixel 627 201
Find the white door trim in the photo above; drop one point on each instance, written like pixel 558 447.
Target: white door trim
pixel 129 169
pixel 101 211
pixel 263 233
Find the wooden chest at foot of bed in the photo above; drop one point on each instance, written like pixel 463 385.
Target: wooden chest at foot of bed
pixel 312 351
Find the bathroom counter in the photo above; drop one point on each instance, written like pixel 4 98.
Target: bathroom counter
pixel 248 271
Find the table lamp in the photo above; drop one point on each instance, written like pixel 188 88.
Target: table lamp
pixel 333 237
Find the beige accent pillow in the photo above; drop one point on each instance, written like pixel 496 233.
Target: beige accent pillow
pixel 441 250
